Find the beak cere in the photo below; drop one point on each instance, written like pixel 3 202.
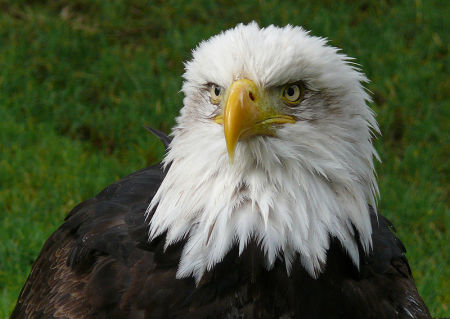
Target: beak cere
pixel 246 114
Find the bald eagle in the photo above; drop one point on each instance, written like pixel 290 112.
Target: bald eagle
pixel 263 207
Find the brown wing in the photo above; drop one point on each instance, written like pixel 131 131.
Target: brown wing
pixel 97 265
pixel 52 283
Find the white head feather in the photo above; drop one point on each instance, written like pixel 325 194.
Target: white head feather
pixel 289 192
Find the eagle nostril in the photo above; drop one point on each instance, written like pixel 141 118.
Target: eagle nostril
pixel 252 97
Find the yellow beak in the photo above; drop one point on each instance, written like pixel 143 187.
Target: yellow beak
pixel 246 113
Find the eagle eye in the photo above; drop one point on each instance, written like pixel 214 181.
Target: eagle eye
pixel 216 93
pixel 292 93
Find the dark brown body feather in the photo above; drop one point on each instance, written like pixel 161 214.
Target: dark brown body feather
pixel 98 264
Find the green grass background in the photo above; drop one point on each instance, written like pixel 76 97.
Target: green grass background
pixel 80 78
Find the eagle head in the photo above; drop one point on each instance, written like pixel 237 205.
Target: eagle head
pixel 273 144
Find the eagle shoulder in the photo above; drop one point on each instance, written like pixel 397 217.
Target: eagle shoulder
pixel 98 263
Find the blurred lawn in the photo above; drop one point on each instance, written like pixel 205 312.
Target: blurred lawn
pixel 80 78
